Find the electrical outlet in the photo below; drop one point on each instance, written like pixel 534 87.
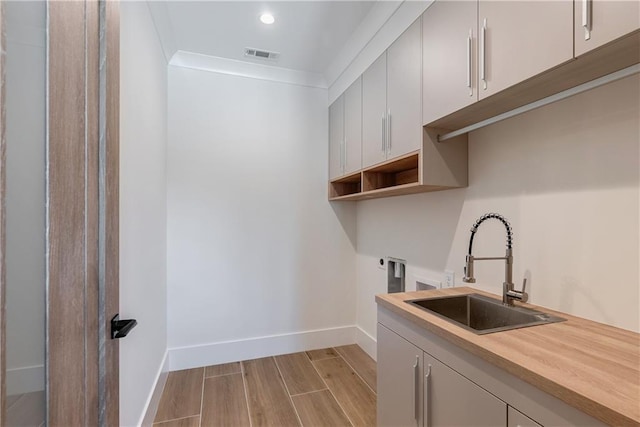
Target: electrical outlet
pixel 449 279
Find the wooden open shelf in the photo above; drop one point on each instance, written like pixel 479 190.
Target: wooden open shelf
pixel 434 167
pixel 399 172
pixel 345 186
pixel 392 178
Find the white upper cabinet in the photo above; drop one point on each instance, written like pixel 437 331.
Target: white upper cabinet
pixel 392 100
pixel 404 94
pixel 336 138
pixel 353 127
pixel 449 35
pixel 520 39
pixel 598 22
pixel 345 132
pixel 374 112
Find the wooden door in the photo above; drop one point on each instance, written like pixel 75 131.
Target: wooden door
pixel 399 380
pixel 404 92
pixel 374 112
pixel 82 189
pixel 449 35
pixel 336 138
pixel 452 400
pixel 353 127
pixel 606 21
pixel 521 39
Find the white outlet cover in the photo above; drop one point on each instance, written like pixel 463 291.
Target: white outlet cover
pixel 449 279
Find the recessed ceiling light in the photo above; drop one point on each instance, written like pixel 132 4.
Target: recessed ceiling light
pixel 267 18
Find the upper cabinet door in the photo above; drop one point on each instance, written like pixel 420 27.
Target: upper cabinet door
pixel 519 39
pixel 598 22
pixel 353 127
pixel 336 138
pixel 374 106
pixel 449 34
pixel 404 92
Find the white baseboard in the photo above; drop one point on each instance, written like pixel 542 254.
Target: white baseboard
pixel 151 407
pixel 25 380
pixel 252 348
pixel 367 343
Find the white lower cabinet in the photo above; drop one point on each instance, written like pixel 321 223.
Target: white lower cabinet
pixel 452 400
pixel 426 381
pixel 415 389
pixel 399 380
pixel 516 418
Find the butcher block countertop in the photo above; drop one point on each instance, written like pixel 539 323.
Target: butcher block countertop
pixel 590 366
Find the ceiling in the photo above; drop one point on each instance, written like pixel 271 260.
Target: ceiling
pixel 307 34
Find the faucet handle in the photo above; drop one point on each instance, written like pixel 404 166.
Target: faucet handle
pixel 525 296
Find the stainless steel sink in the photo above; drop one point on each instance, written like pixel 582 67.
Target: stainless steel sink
pixel 483 315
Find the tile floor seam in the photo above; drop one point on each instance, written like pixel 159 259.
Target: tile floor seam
pixel 308 392
pixel 221 375
pixel 323 358
pixel 16 401
pixel 246 394
pixel 174 419
pixel 204 372
pixel 286 389
pixel 359 376
pixel 331 391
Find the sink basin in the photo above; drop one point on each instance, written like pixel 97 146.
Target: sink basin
pixel 483 315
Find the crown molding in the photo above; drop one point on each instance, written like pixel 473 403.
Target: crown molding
pixel 233 67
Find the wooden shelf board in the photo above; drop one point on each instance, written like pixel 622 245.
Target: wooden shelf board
pixel 352 178
pixel 398 190
pixel 409 161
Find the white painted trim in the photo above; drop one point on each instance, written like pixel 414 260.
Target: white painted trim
pixel 247 69
pixel 367 343
pixel 25 380
pixel 252 348
pixel 151 406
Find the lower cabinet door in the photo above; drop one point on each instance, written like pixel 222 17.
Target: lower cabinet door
pixel 452 400
pixel 516 418
pixel 399 380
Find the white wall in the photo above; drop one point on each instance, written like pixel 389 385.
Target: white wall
pixel 258 261
pixel 143 142
pixel 567 178
pixel 25 255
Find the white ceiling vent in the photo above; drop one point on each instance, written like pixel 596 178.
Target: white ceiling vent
pixel 261 54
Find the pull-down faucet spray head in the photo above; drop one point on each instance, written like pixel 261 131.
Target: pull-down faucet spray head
pixel 468 269
pixel 509 293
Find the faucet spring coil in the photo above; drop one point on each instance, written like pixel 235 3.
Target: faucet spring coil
pixel 500 218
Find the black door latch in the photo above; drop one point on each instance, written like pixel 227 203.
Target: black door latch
pixel 120 328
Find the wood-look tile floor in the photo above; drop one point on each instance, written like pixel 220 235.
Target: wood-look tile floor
pixel 328 387
pixel 26 410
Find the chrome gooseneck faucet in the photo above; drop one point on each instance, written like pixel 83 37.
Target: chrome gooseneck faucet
pixel 508 291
